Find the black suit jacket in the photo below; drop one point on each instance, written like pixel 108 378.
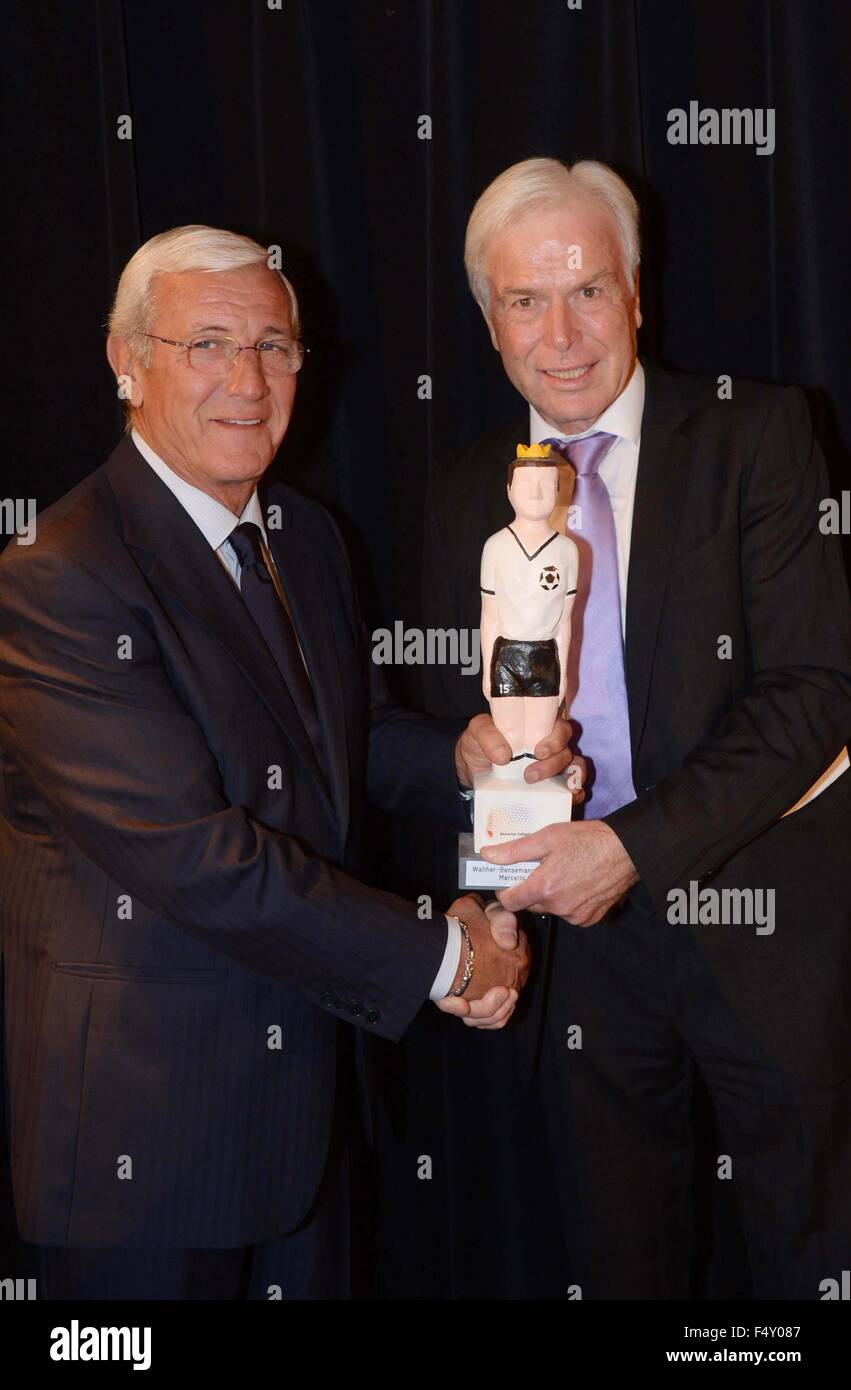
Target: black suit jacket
pixel 174 868
pixel 725 541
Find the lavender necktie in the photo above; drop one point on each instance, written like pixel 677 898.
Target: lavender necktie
pixel 596 683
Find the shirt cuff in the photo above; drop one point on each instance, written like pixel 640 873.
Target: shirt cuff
pixel 445 976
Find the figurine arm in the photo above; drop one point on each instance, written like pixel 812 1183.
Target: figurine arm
pixel 489 631
pixel 563 644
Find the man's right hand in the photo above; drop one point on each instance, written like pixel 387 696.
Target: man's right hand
pixel 501 965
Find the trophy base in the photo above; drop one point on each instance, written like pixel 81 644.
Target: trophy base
pixel 505 810
pixel 475 872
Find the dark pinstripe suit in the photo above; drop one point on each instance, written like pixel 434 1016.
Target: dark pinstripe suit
pixel 147 780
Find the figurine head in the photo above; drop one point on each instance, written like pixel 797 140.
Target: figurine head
pixel 533 482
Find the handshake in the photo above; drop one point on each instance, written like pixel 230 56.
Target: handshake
pixel 500 965
pixel 583 871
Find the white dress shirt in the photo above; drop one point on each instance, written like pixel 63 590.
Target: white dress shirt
pixel 619 472
pixel 215 522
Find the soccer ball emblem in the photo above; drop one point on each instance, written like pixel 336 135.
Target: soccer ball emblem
pixel 548 578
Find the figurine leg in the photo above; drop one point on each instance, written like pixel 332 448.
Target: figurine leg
pixel 539 716
pixel 508 716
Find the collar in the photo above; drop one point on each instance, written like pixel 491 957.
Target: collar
pixel 213 519
pixel 621 418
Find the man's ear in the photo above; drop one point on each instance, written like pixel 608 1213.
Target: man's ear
pixel 117 354
pixel 121 361
pixel 637 307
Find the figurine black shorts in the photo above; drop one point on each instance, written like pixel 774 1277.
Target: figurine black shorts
pixel 524 668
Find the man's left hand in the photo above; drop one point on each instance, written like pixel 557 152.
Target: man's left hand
pixel 584 870
pixel 481 745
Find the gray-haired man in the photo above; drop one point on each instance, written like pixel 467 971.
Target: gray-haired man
pixel 720 769
pixel 186 735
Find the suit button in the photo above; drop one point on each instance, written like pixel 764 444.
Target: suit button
pixel 327 999
pixel 356 1007
pixel 372 1015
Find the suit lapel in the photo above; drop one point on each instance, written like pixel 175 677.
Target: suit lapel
pixel 178 560
pixel 663 459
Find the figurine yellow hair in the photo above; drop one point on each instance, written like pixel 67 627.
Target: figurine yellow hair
pixel 533 451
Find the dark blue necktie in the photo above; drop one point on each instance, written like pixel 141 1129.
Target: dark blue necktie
pixel 273 621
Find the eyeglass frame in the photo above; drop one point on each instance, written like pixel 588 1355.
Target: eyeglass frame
pixel 176 342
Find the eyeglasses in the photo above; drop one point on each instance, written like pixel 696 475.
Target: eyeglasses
pixel 216 356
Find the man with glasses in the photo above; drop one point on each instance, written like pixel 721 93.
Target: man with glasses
pixel 186 733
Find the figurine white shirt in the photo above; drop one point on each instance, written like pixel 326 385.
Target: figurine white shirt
pixel 529 589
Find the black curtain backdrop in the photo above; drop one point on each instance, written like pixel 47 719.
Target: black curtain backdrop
pixel 300 126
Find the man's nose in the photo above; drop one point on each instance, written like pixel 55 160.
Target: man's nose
pixel 246 376
pixel 561 328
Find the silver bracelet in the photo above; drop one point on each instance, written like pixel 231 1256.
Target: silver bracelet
pixel 468 961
